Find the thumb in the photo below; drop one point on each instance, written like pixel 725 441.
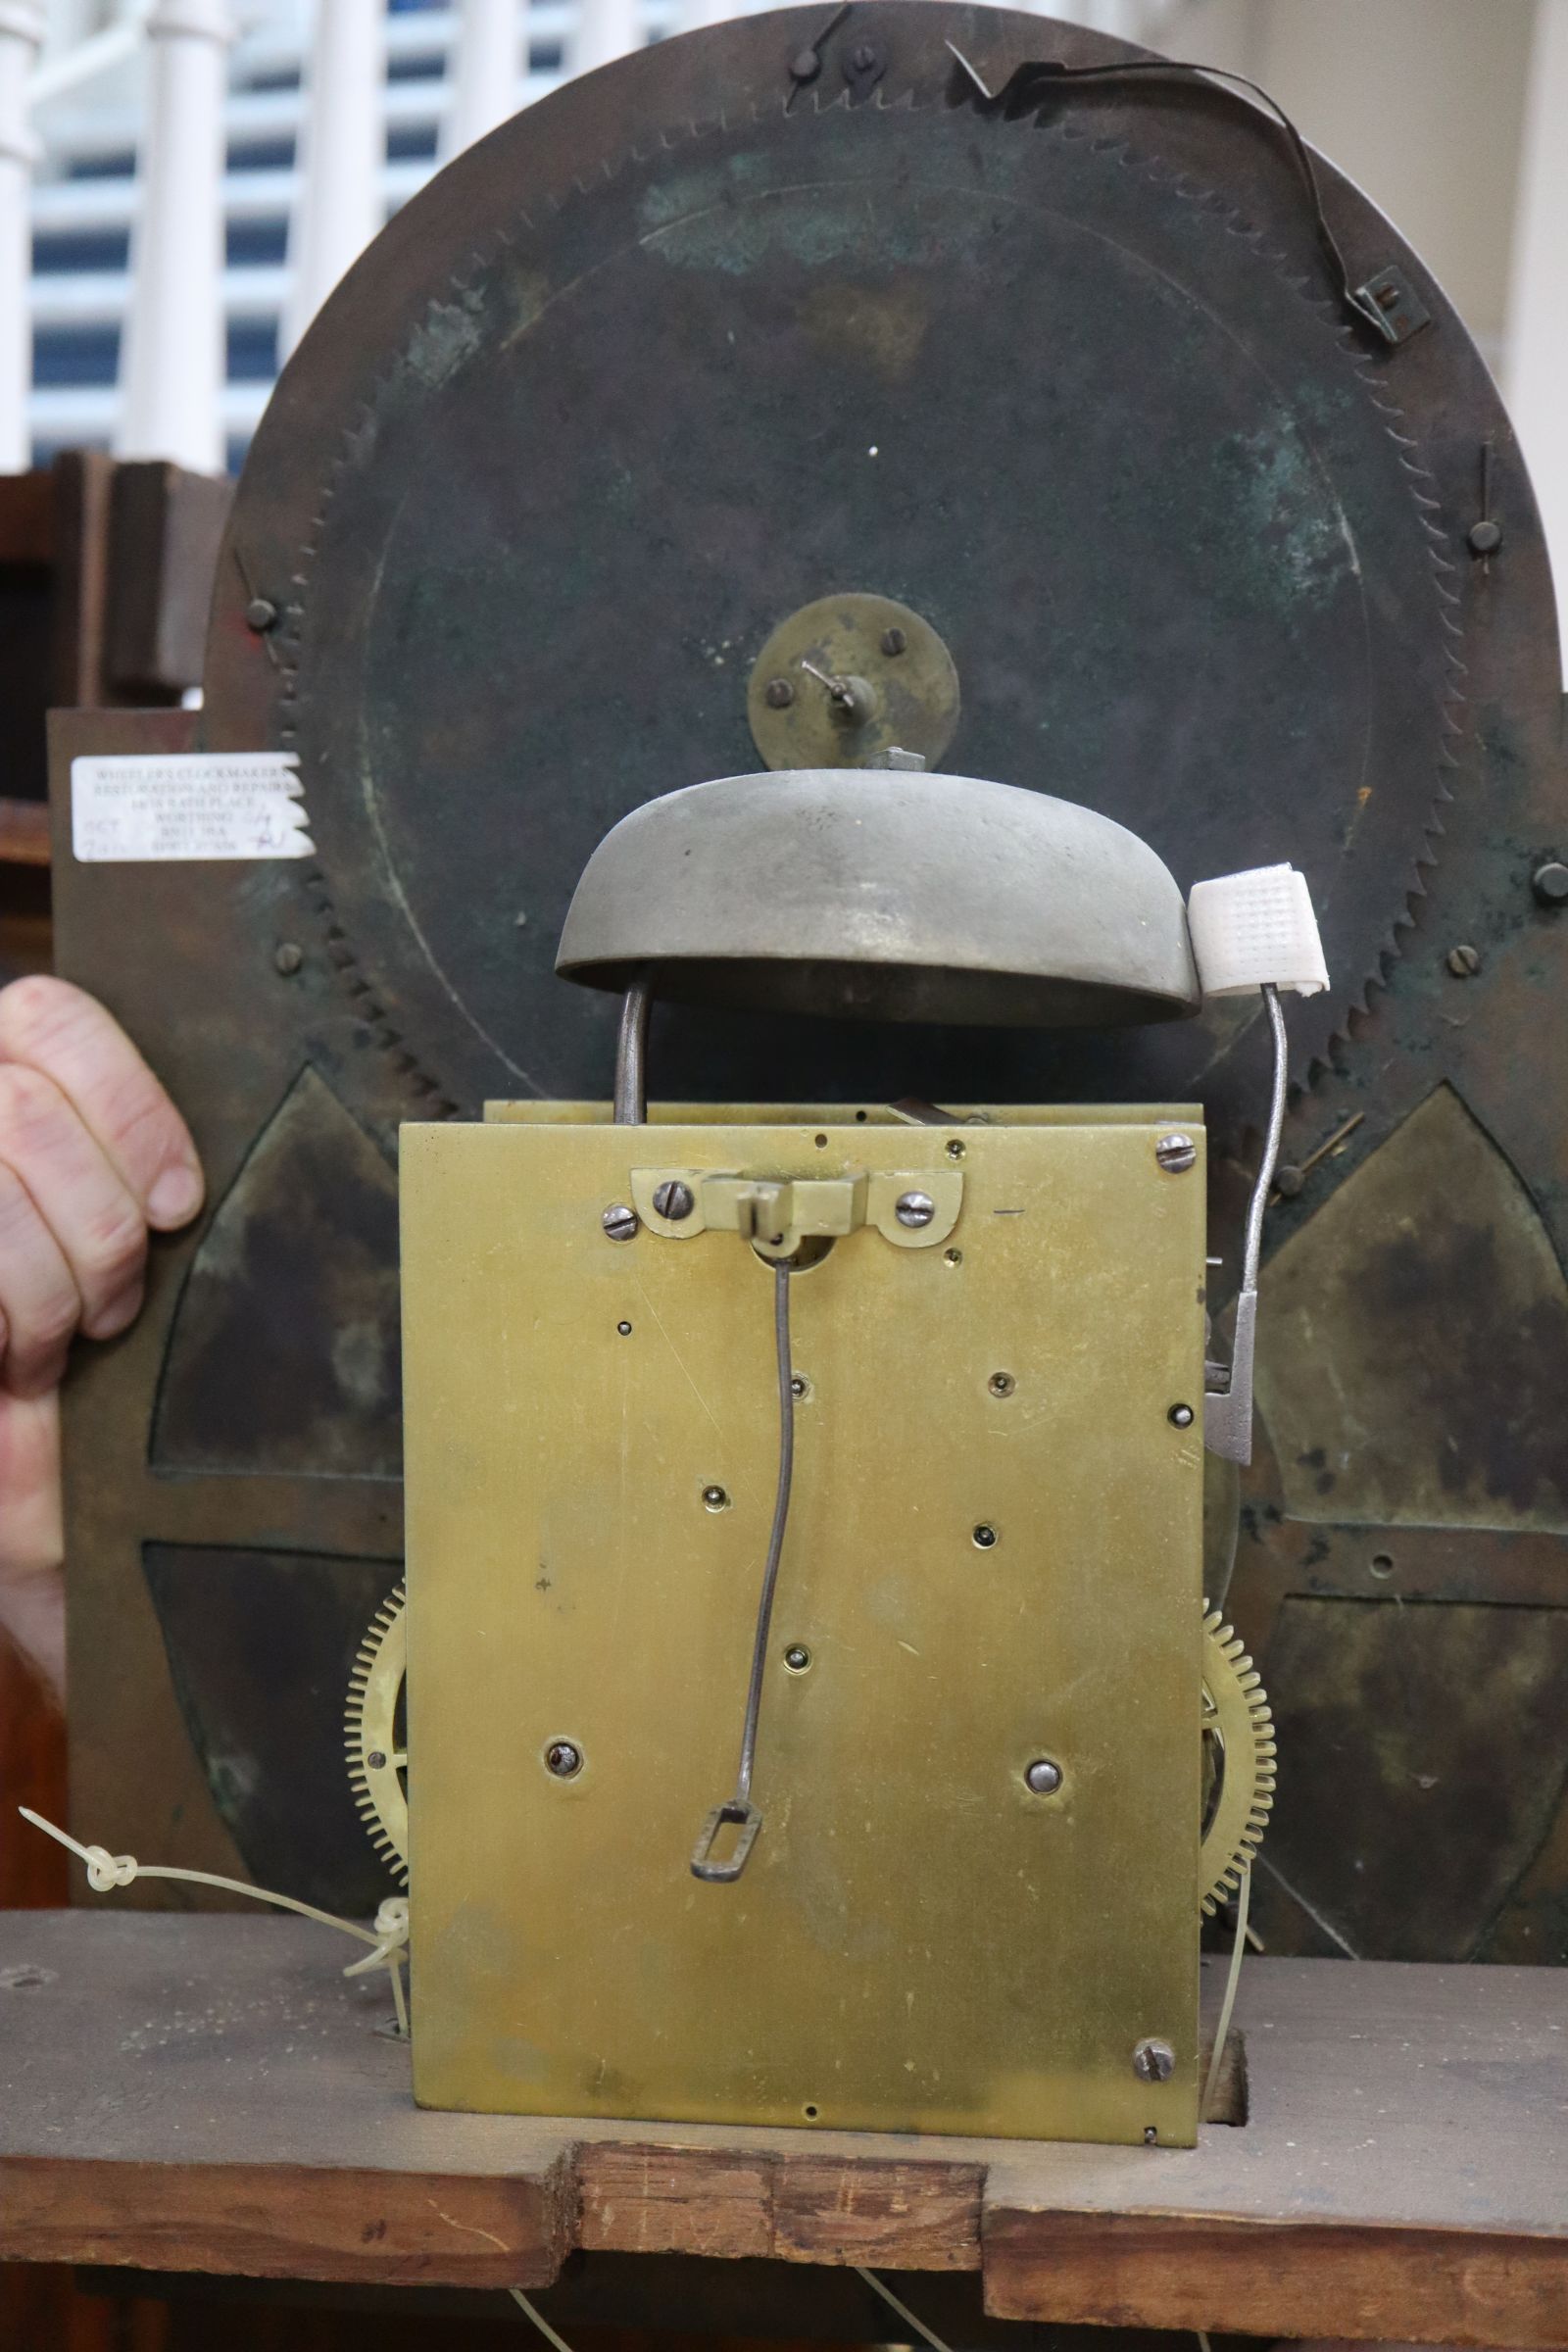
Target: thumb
pixel 33 1593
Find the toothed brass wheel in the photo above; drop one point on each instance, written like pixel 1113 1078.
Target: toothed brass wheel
pixel 375 1739
pixel 1238 1763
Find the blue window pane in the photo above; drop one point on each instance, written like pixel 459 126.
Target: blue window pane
pixel 425 67
pixel 546 57
pixel 405 140
pixel 55 251
pixel 120 166
pixel 249 243
pixel 76 355
pixel 252 351
pixel 260 154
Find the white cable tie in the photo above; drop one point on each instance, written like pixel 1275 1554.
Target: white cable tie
pixel 1256 930
pixel 387 1938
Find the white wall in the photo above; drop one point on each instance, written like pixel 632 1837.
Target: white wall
pixel 1536 366
pixel 1452 117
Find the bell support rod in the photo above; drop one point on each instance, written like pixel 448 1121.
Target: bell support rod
pixel 631 1053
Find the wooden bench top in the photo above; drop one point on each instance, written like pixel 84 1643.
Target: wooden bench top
pixel 206 2092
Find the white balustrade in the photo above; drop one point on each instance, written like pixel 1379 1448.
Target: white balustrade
pixel 484 72
pixel 606 29
pixel 69 24
pixel 21 31
pixel 342 151
pixel 173 359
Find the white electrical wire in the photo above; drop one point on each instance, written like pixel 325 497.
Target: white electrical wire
pixel 538 2319
pixel 1226 2006
pixel 902 2309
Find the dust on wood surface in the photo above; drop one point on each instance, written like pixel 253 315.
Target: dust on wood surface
pixel 209 2092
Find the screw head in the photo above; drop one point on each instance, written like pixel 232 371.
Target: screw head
pixel 894 642
pixel 1464 961
pixel 779 695
pixel 797 1657
pixel 1176 1154
pixel 1180 1416
pixel 805 65
pixel 564 1758
pixel 1043 1777
pixel 375 1761
pixel 956 1149
pixel 1153 2061
pixel 984 1536
pixel 716 1498
pixel 674 1201
pixel 1550 882
pixel 1002 1384
pixel 1485 537
pixel 800 1385
pixel 619 1222
pixel 287 959
pixel 624 1329
pixel 261 614
pixel 915 1208
pixel 1288 1180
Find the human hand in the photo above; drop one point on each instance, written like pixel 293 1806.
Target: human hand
pixel 92 1154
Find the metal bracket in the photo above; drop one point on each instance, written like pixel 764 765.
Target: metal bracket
pixel 1228 1408
pixel 1389 302
pixel 806 63
pixel 913 1211
pixel 1228 1397
pixel 863 64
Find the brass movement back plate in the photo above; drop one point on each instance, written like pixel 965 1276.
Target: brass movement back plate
pixel 918 1942
pixel 848 678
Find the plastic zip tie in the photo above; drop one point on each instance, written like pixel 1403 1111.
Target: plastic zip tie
pixel 107 1870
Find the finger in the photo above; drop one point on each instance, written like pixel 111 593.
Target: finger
pixel 80 1195
pixel 39 1303
pixel 68 1036
pixel 32 1608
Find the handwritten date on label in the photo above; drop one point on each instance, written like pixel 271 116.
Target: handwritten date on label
pixel 180 804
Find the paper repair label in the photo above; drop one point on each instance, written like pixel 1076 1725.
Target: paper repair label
pixel 140 807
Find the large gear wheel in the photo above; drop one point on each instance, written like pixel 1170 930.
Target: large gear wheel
pixel 1238 1763
pixel 582 608
pixel 376 1743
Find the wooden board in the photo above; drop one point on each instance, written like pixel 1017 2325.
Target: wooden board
pixel 208 2094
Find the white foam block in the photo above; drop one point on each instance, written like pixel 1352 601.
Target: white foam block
pixel 1253 930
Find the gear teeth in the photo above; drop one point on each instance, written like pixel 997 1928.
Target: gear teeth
pixel 370 1719
pixel 1243 1721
